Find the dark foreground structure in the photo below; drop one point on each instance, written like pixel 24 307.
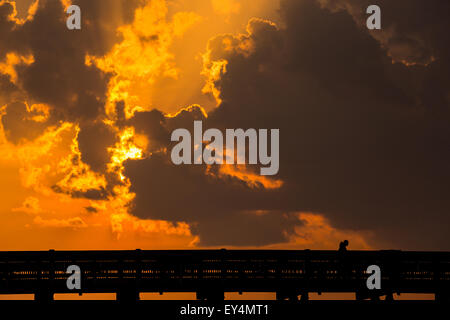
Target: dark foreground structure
pixel 210 273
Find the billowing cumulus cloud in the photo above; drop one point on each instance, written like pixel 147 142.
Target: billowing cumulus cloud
pixel 45 64
pixel 367 147
pixel 362 139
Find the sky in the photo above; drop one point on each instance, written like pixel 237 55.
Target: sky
pixel 87 116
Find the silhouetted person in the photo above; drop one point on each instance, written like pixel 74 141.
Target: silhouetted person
pixel 343 246
pixel 342 260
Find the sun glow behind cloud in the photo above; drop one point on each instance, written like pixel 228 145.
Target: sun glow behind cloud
pixel 143 55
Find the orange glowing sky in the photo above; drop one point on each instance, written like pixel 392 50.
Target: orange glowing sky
pixel 170 74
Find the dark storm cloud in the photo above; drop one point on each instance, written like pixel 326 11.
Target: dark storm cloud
pixel 18 123
pixel 7 89
pixel 6 27
pixel 243 228
pixel 90 209
pixel 221 211
pixel 93 141
pixel 362 140
pixel 412 30
pixel 59 76
pixel 186 193
pixel 363 149
pixel 151 124
pixel 92 194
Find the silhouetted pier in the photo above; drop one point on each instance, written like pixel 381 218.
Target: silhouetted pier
pixel 210 273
